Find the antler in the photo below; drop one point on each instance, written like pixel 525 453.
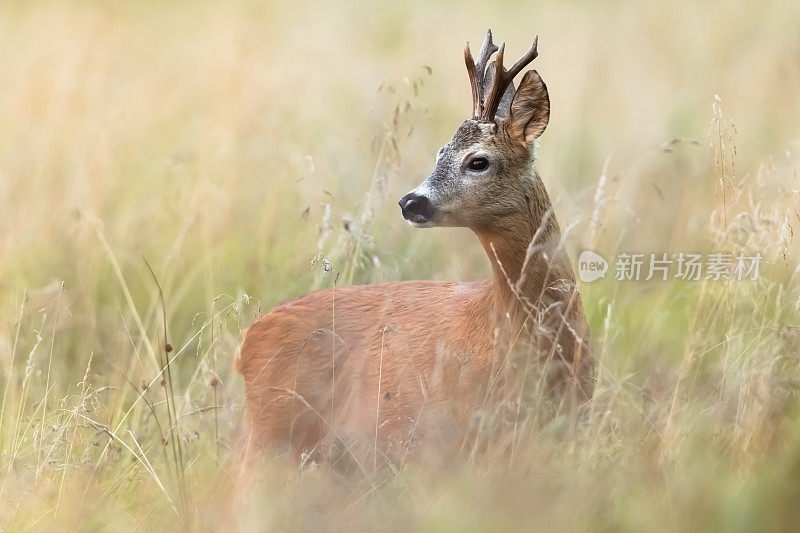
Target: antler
pixel 477 71
pixel 484 107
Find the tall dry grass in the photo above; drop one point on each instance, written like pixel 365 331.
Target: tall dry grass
pixel 249 152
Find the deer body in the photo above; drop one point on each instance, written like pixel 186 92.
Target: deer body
pixel 385 367
pixel 391 356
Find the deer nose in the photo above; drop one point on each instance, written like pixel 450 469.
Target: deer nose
pixel 416 208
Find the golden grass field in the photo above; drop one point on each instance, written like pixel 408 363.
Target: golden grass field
pixel 234 146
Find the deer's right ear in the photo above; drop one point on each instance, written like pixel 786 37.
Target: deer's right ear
pixel 530 109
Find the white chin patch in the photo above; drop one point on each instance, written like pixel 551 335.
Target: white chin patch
pixel 427 224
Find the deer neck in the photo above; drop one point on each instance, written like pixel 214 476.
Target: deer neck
pixel 526 257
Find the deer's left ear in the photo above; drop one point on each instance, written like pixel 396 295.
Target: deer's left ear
pixel 530 109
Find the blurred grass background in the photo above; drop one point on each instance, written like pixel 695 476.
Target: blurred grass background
pixel 238 145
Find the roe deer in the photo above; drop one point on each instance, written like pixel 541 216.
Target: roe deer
pixel 386 366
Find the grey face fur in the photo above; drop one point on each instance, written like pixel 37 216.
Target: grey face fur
pixel 462 192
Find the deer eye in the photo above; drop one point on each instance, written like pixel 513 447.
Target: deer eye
pixel 477 164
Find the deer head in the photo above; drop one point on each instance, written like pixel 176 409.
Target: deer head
pixel 485 173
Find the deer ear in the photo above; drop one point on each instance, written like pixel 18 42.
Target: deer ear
pixel 530 109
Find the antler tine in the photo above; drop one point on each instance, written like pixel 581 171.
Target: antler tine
pixel 476 70
pixel 487 49
pixel 499 84
pixel 473 82
pixel 525 60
